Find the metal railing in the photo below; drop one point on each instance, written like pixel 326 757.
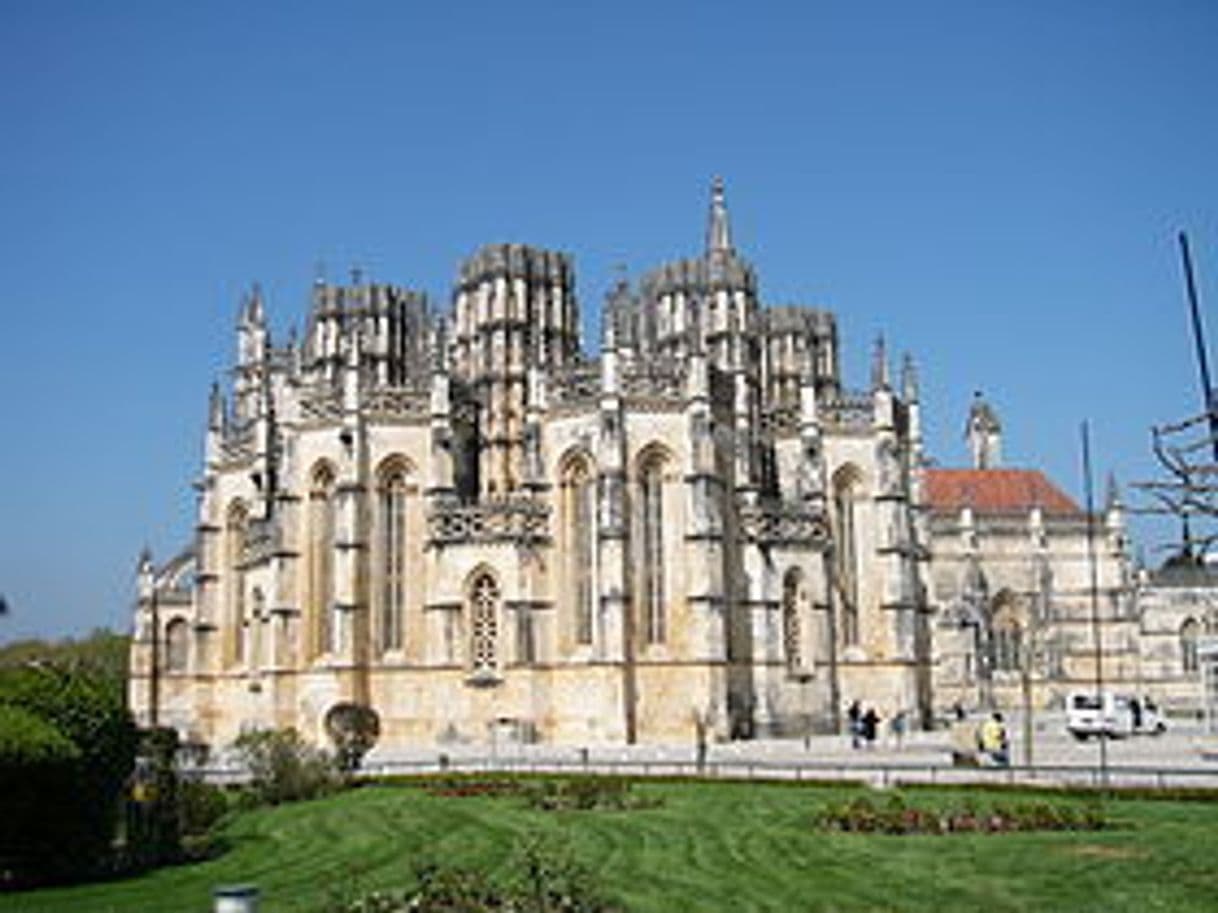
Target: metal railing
pixel 886 773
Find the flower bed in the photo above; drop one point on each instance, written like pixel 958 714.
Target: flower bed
pixel 866 816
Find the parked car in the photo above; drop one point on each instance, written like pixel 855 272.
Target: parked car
pixel 1112 715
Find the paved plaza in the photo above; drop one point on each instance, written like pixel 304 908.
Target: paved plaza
pixel 1183 756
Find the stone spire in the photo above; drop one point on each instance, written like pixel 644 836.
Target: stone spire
pixel 215 409
pixel 718 229
pixel 879 365
pixel 909 379
pixel 983 432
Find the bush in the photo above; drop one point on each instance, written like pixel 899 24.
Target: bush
pixel 541 878
pixel 200 806
pixel 865 816
pixel 37 767
pixel 354 729
pixel 284 768
pixel 587 793
pixel 74 826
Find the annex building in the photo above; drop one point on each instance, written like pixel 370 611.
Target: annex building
pixel 460 517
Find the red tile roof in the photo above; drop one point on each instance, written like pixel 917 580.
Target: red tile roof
pixel 995 491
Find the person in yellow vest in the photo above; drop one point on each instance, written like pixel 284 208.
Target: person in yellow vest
pixel 993 739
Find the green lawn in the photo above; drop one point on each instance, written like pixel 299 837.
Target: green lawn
pixel 709 847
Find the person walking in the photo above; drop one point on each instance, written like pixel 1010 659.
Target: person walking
pixel 896 726
pixel 870 722
pixel 854 717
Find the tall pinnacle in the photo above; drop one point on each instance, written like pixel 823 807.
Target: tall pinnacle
pixel 718 231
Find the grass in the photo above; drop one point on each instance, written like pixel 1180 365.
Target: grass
pixel 708 847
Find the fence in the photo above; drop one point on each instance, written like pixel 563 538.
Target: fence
pixel 886 773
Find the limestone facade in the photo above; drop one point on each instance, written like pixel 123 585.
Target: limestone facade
pixel 458 517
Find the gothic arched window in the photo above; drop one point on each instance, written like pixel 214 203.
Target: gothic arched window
pixel 1006 634
pixel 578 494
pixel 235 534
pixel 177 634
pixel 484 624
pixel 792 593
pixel 391 555
pixel 1188 644
pixel 846 485
pixel 321 558
pixel 651 510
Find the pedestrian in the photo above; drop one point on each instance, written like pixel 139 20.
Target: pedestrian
pixel 993 738
pixel 870 722
pixel 897 727
pixel 854 717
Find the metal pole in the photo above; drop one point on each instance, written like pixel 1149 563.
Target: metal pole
pixel 1207 390
pixel 1095 597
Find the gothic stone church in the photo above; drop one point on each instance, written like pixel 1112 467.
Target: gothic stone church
pixel 461 519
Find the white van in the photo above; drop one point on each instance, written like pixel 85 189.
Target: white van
pixel 1112 715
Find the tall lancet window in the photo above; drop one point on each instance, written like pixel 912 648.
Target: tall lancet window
pixel 391 557
pixel 846 484
pixel 321 558
pixel 651 504
pixel 792 593
pixel 1006 634
pixel 484 624
pixel 235 533
pixel 1189 631
pixel 177 645
pixel 579 532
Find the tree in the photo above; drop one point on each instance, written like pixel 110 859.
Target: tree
pixel 354 729
pixel 57 716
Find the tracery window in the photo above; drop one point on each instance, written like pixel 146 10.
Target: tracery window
pixel 484 624
pixel 177 634
pixel 1006 635
pixel 791 598
pixel 578 513
pixel 321 558
pixel 1188 645
pixel 235 534
pixel 845 494
pixel 651 489
pixel 391 512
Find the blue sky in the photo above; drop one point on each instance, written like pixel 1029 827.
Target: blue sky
pixel 995 187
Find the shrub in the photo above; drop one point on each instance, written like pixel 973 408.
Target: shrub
pixel 587 793
pixel 863 815
pixel 353 729
pixel 77 824
pixel 283 767
pixel 200 806
pixel 37 767
pixel 541 878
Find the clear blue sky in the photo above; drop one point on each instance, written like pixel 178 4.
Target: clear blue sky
pixel 995 187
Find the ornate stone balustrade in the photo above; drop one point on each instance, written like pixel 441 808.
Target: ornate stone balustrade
pixel 398 403
pixel 849 410
pixel 517 520
pixel 575 387
pixel 321 404
pixel 780 421
pixel 783 523
pixel 656 383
